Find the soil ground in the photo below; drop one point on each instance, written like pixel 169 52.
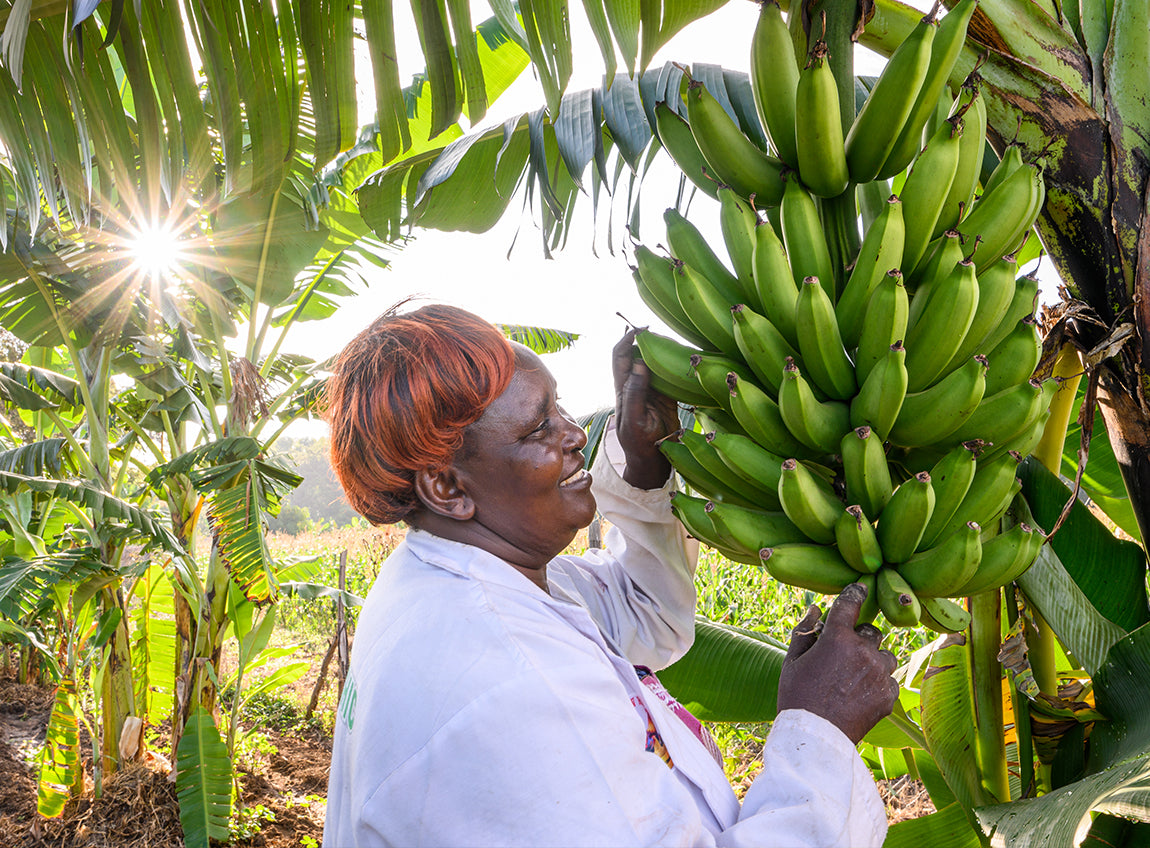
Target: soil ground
pixel 283 779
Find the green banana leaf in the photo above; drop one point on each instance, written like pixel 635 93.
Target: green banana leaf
pixel 1102 478
pixel 949 721
pixel 154 644
pixel 104 507
pixel 1118 762
pixel 61 770
pixel 203 781
pixel 948 827
pixel 39 459
pixel 727 675
pixel 1117 591
pixel 539 339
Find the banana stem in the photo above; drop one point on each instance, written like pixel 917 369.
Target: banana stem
pixel 986 673
pixel 840 216
pixel 1040 639
pixel 1021 705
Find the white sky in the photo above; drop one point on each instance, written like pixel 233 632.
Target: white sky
pixel 575 291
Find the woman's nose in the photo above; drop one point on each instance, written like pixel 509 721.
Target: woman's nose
pixel 574 432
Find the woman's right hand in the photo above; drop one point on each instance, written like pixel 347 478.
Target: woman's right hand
pixel 837 670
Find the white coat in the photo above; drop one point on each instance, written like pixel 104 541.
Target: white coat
pixel 479 710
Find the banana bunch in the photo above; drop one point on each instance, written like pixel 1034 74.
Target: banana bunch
pixel 860 423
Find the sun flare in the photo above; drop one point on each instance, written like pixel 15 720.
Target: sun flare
pixel 156 251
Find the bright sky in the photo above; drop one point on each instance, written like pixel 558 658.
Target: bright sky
pixel 576 291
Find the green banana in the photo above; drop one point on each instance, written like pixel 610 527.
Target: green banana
pixel 733 158
pixel 655 282
pixel 1002 217
pixel 942 570
pixel 942 615
pixel 869 609
pixel 881 396
pixel 711 370
pixel 926 188
pixel 818 127
pixel 688 245
pixel 719 420
pixel 817 424
pixel 897 599
pixel 903 520
pixel 820 344
pixel 1023 302
pixel 932 341
pixel 691 512
pixel 958 200
pixel 675 135
pixel 737 222
pixel 758 414
pixel 746 457
pixel 1014 359
pixel 940 257
pixel 857 541
pixel 1003 415
pixel 1025 442
pixel 929 416
pixel 809 501
pixel 705 454
pixel 990 493
pixel 695 475
pixel 754 529
pixel 814 567
pixel 669 362
pixel 1010 161
pixel 948 42
pixel 880 251
pixel 803 237
pixel 763 347
pixel 1005 558
pixel 707 308
pixel 774 281
pixel 865 471
pixel 885 322
pixel 774 80
pixel 995 291
pixel 877 125
pixel 950 478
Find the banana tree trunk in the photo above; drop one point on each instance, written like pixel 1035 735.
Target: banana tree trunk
pixel 117 697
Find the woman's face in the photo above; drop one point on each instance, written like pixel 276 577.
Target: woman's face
pixel 522 468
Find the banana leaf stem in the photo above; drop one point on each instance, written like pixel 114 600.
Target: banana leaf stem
pixel 901 720
pixel 986 671
pixel 1040 638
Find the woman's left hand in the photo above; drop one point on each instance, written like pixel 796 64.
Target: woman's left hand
pixel 643 417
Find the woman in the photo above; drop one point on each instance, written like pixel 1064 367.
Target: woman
pixel 494 696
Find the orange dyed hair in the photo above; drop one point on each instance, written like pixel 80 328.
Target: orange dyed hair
pixel 401 396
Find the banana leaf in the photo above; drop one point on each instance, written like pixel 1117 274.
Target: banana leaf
pixel 1118 591
pixel 727 675
pixel 61 770
pixel 1118 762
pixel 154 644
pixel 947 827
pixel 203 781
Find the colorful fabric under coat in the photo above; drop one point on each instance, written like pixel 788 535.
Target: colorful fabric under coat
pixel 654 740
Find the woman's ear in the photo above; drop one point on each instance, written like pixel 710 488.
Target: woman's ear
pixel 440 493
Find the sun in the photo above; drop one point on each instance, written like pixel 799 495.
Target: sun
pixel 156 251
